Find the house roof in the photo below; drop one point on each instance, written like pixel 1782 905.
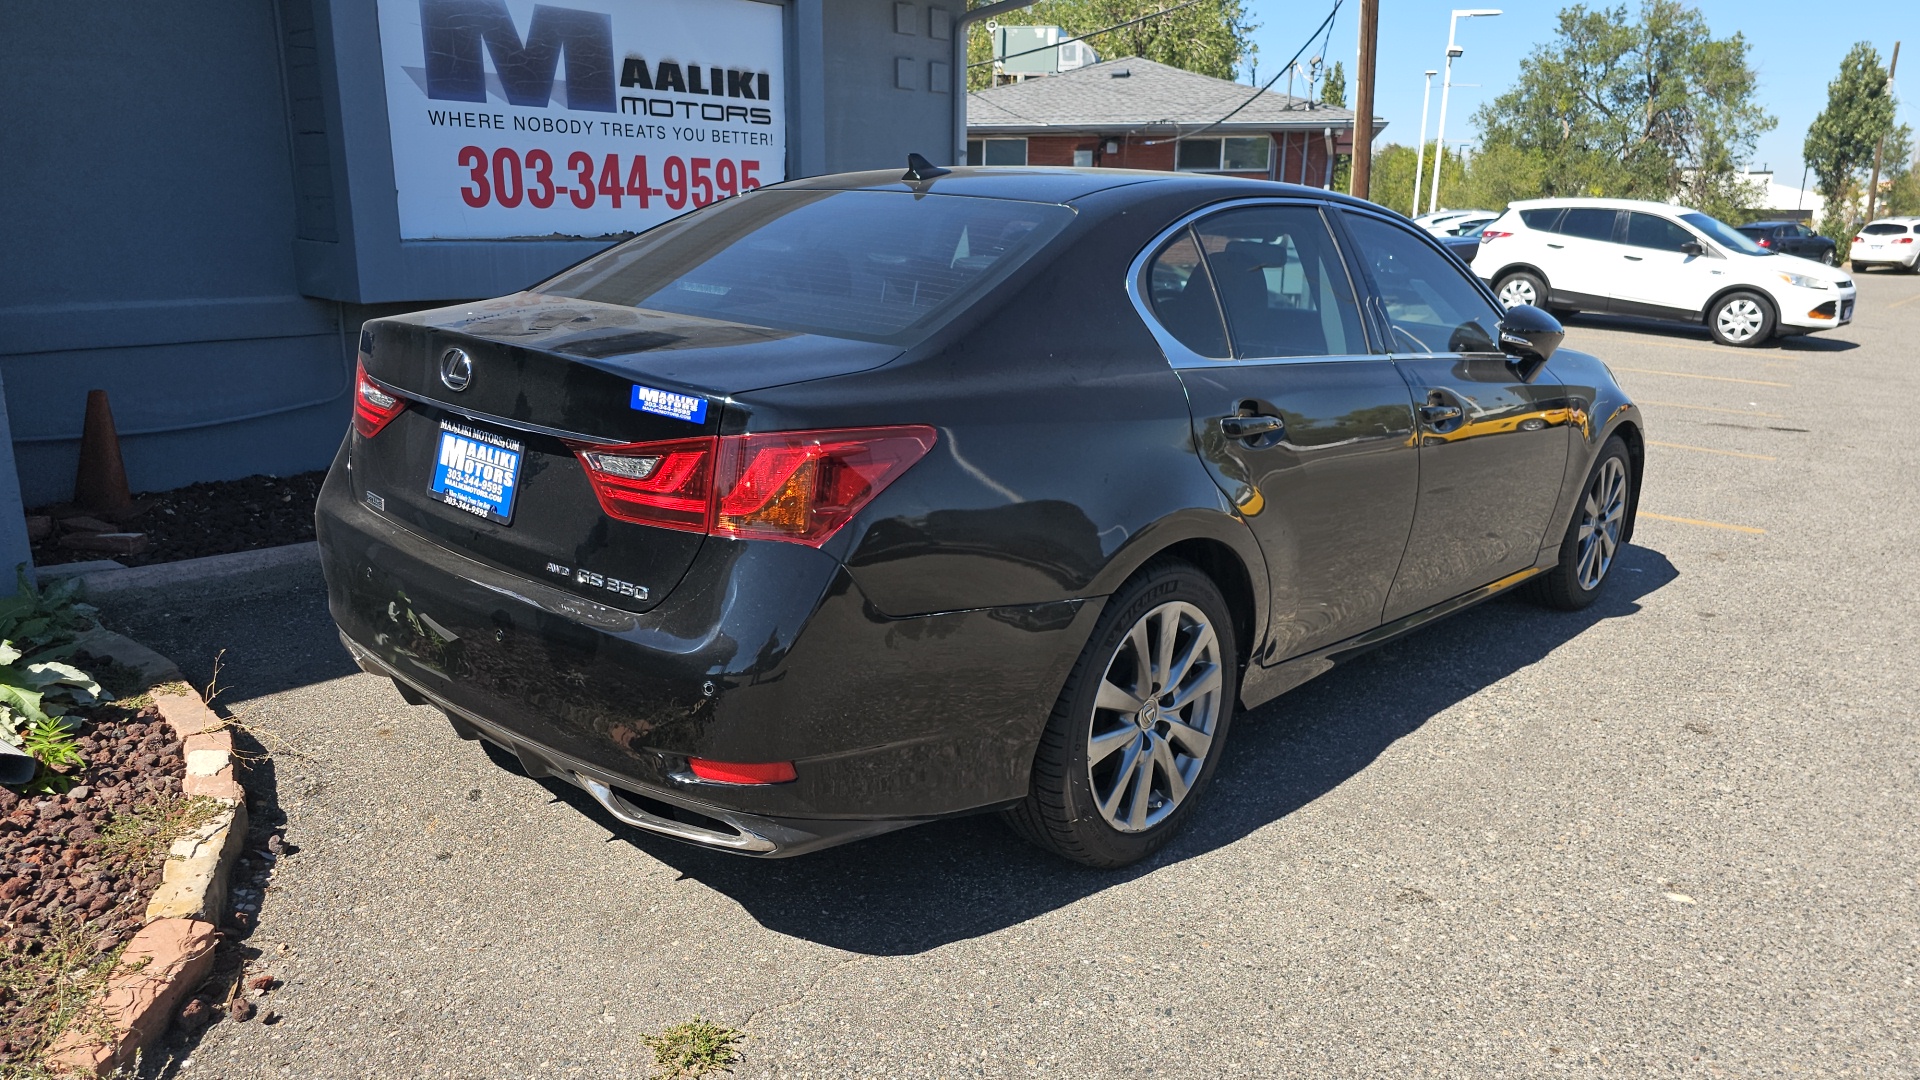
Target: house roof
pixel 1131 94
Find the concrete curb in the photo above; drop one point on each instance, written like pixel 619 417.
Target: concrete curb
pixel 174 951
pixel 100 582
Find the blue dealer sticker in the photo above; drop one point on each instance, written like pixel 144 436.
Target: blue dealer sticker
pixel 476 471
pixel 689 407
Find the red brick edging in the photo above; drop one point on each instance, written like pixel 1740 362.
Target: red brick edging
pixel 171 954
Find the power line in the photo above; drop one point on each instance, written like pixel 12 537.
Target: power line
pixel 1325 24
pixel 1094 34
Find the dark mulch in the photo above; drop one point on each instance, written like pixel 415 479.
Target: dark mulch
pixel 74 885
pixel 214 518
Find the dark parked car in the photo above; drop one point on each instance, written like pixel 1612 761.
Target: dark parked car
pixel 1467 241
pixel 1790 238
pixel 863 500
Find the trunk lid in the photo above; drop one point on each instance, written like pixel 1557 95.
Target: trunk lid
pixel 489 469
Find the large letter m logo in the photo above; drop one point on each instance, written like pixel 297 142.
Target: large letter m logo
pixel 454 31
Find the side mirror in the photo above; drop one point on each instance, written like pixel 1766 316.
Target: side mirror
pixel 1693 247
pixel 1530 335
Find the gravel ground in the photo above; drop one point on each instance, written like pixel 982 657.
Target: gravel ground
pixel 1669 835
pixel 209 519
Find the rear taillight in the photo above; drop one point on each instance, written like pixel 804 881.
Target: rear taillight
pixel 736 772
pixel 1487 235
pixel 373 407
pixel 800 486
pixel 1766 242
pixel 1904 240
pixel 1859 240
pixel 669 484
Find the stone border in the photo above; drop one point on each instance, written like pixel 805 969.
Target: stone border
pixel 97 579
pixel 174 951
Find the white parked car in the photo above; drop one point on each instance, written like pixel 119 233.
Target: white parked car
pixel 1444 222
pixel 1892 242
pixel 1628 257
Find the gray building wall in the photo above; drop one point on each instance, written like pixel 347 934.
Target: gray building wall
pixel 198 219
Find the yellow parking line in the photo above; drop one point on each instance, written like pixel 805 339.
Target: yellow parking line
pixel 1705 450
pixel 1904 303
pixel 1711 408
pixel 1709 378
pixel 1708 524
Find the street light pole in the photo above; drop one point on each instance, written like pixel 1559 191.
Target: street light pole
pixel 1420 148
pixel 1446 84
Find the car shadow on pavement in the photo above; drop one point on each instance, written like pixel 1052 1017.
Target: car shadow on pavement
pixel 917 889
pixel 1665 328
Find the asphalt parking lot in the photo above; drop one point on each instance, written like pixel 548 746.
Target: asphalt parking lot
pixel 1671 835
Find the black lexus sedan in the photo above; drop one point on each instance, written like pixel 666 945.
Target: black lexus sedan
pixel 868 499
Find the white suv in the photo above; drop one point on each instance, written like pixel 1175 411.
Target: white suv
pixel 1628 257
pixel 1892 242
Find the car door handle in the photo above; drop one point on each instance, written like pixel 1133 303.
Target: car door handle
pixel 1435 415
pixel 1631 258
pixel 1556 247
pixel 1248 427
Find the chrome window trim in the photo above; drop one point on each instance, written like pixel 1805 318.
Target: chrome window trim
pixel 1178 355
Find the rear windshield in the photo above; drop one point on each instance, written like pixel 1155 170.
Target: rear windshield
pixel 871 265
pixel 1884 228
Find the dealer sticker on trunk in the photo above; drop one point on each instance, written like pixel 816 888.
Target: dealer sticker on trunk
pixel 476 471
pixel 689 407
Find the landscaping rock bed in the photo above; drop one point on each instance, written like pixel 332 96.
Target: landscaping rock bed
pixel 77 869
pixel 185 523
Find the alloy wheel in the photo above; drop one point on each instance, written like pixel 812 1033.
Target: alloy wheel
pixel 1154 717
pixel 1518 291
pixel 1740 318
pixel 1601 514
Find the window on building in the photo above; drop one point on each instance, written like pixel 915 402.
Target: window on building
pixel 1251 154
pixel 996 151
pixel 1083 159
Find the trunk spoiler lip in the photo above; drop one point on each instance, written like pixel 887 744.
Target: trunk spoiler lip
pixel 489 418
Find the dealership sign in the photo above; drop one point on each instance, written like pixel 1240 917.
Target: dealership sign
pixel 512 119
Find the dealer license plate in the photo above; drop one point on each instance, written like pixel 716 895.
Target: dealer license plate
pixel 476 471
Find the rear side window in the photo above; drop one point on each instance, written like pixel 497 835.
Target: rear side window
pixel 1183 298
pixel 873 265
pixel 1431 304
pixel 1588 222
pixel 1543 220
pixel 1656 232
pixel 1281 282
pixel 1884 228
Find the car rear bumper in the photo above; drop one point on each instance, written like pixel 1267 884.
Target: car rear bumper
pixel 765 651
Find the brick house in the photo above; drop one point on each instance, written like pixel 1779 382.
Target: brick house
pixel 1136 114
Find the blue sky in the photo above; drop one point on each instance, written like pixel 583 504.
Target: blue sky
pixel 1794 46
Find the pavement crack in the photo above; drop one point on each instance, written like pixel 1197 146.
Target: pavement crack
pixel 803 994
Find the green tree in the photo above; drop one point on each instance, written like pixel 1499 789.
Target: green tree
pixel 1334 90
pixel 1393 170
pixel 1840 143
pixel 1900 181
pixel 1652 106
pixel 1213 37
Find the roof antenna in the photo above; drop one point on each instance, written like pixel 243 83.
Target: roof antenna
pixel 919 169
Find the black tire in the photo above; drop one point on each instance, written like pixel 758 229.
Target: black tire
pixel 1744 320
pixel 1062 812
pixel 1566 586
pixel 1520 284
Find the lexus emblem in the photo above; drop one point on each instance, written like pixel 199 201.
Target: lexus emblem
pixel 456 369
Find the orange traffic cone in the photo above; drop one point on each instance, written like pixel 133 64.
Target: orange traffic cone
pixel 101 484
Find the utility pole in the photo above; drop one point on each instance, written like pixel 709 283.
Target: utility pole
pixel 1362 176
pixel 1873 186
